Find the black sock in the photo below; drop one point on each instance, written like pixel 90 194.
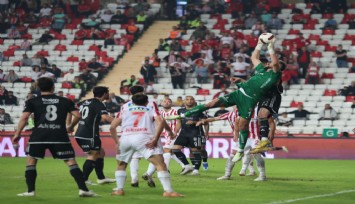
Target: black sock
pixel 88 166
pixel 264 127
pixel 78 176
pixel 31 175
pixel 204 155
pixel 197 160
pixel 181 156
pixel 99 168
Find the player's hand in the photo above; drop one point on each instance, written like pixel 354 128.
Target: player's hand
pixel 152 144
pixel 189 122
pixel 271 44
pixel 15 139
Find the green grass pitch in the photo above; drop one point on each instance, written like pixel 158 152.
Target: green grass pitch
pixel 288 180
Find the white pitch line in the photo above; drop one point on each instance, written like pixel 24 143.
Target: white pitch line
pixel 312 197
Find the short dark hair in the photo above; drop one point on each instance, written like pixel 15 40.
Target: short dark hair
pixel 140 99
pixel 45 84
pixel 99 91
pixel 136 89
pixel 263 60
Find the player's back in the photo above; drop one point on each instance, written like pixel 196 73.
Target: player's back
pixel 50 113
pixel 151 104
pixel 138 120
pixel 91 111
pixel 191 128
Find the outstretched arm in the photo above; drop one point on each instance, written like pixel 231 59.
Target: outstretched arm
pixel 274 59
pixel 255 57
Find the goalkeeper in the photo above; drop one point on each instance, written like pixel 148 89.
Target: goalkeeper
pixel 248 94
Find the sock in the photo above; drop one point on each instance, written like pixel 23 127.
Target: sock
pixel 196 109
pixel 88 166
pixel 251 167
pixel 243 136
pixel 264 128
pixel 197 160
pixel 134 166
pixel 260 164
pixel 167 157
pixel 173 156
pixel 181 156
pixel 246 161
pixel 229 166
pixel 99 168
pixel 120 179
pixel 204 155
pixel 77 174
pixel 31 175
pixel 151 169
pixel 164 178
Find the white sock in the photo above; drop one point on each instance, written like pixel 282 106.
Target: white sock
pixel 229 166
pixel 151 169
pixel 134 166
pixel 246 161
pixel 251 167
pixel 260 163
pixel 167 157
pixel 164 178
pixel 177 160
pixel 120 179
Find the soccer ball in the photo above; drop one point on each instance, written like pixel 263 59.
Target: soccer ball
pixel 266 38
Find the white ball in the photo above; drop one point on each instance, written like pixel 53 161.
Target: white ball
pixel 266 37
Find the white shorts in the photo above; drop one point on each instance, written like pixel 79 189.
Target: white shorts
pixel 251 144
pixel 136 143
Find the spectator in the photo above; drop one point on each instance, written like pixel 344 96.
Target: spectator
pixel 341 57
pixel 60 93
pixel 45 11
pixel 227 39
pixel 69 77
pixel 79 84
pixel 5 118
pixel 300 113
pixel 199 33
pixel 174 34
pixel 163 46
pixel 80 34
pixel 116 99
pixel 179 102
pixel 59 20
pixel 239 68
pixel 111 106
pixel 349 90
pixel 142 18
pixel 13 33
pixel 97 67
pixel 106 16
pixel 83 64
pixel 265 17
pixel 284 120
pixel 353 105
pixel 328 113
pixel 2 76
pixel 316 8
pixel 176 77
pixel 25 61
pixel 25 45
pixel 313 74
pixel 301 41
pixel 202 74
pixel 132 29
pixel 119 18
pixel 45 73
pixel 12 77
pixel 175 46
pixel 92 23
pixel 148 72
pixel 330 24
pixel 222 110
pixel 221 93
pixel 132 81
pixel 10 99
pixel 56 71
pixel 109 40
pixel 274 22
pixel 89 79
pixel 250 21
pixel 44 39
pixel 36 71
pixel 303 59
pixel 220 79
pixel 327 6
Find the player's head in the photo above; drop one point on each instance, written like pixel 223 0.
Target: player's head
pixel 101 92
pixel 265 62
pixel 189 101
pixel 45 84
pixel 136 89
pixel 166 103
pixel 140 99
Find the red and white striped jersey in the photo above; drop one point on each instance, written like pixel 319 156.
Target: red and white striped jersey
pixel 171 123
pixel 150 104
pixel 138 120
pixel 231 117
pixel 254 125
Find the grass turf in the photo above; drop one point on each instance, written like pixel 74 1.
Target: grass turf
pixel 288 180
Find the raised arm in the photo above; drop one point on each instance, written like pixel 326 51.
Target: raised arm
pixel 255 56
pixel 274 59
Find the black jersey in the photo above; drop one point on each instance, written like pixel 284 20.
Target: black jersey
pixel 50 113
pixel 91 111
pixel 191 129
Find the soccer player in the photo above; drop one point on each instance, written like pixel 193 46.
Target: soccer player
pixel 50 132
pixel 190 136
pixel 248 94
pixel 169 142
pixel 93 111
pixel 139 133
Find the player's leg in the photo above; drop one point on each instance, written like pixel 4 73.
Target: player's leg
pixel 260 163
pixel 246 158
pixel 120 176
pixel 148 175
pixel 172 155
pixel 89 165
pixel 204 154
pixel 179 143
pixel 99 169
pixel 195 150
pixel 134 169
pixel 229 166
pixel 243 126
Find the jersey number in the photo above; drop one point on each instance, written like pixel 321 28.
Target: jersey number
pixel 139 116
pixel 51 114
pixel 84 112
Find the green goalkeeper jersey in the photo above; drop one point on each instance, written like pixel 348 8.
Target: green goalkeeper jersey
pixel 261 82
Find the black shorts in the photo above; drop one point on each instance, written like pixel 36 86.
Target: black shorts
pixel 271 103
pixel 58 151
pixel 191 141
pixel 87 144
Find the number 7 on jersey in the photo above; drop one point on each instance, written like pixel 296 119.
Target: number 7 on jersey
pixel 138 118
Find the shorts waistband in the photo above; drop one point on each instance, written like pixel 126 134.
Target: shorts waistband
pixel 243 92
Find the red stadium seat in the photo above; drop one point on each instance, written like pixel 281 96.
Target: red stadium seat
pixel 329 92
pixel 330 48
pixel 322 42
pixel 309 5
pixel 67 85
pixel 308 26
pixel 327 76
pixel 295 104
pixel 350 98
pixel 349 37
pixel 26 79
pixel 71 97
pixel 293 32
pixel 124 91
pixel 316 54
pixel 314 37
pixel 17 63
pixel 77 42
pixel 203 92
pixel 328 32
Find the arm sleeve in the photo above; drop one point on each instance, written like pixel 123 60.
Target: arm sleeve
pixel 71 106
pixel 28 106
